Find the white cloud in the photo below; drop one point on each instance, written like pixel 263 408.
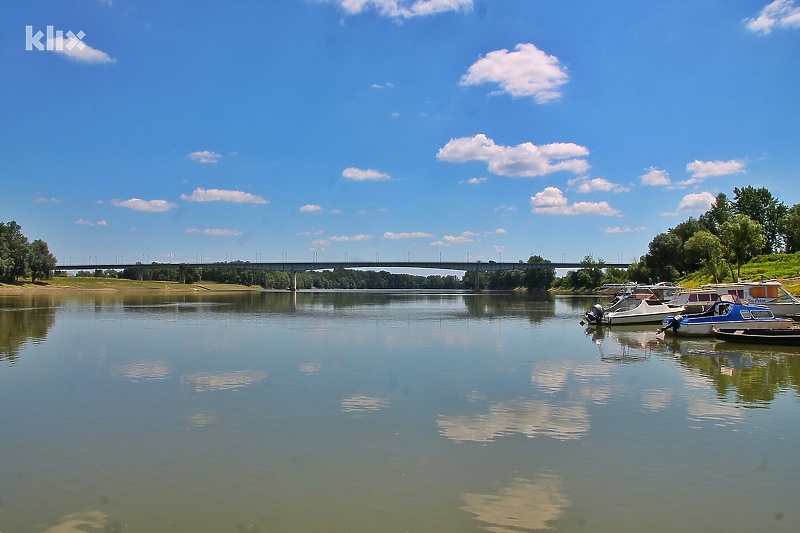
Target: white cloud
pixel 204 156
pixel 505 208
pixel 82 222
pixel 477 181
pixel 147 206
pixel 311 208
pixel 626 229
pixel 586 185
pixel 77 50
pixel 351 238
pixel 525 159
pixel 708 169
pixel 778 14
pixel 552 201
pixel 525 72
pixel 43 200
pixel 220 195
pixel 465 238
pixel 403 8
pixel 369 174
pixel 697 202
pixel 406 235
pixel 655 178
pixel 215 232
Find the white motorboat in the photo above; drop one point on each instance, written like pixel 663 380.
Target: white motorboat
pixel 631 309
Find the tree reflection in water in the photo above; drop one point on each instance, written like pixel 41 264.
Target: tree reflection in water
pixel 23 319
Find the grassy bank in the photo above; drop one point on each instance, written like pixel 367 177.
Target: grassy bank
pixel 79 284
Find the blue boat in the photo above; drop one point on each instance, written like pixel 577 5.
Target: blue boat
pixel 724 314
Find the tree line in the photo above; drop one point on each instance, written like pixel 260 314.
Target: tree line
pixel 22 259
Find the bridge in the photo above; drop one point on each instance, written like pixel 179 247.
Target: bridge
pixel 293 267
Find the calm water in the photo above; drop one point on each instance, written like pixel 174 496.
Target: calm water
pixel 370 412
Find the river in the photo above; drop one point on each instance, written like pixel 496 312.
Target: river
pixel 383 411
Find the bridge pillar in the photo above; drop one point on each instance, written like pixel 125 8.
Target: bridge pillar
pixel 181 275
pixel 477 281
pixel 140 274
pixel 293 281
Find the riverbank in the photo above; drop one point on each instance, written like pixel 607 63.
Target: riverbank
pixel 85 284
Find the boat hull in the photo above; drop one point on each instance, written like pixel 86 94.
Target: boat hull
pixel 782 337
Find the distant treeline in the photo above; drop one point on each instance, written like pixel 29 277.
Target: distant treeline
pixel 340 278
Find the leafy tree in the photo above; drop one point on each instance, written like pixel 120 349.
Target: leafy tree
pixel 40 261
pixel 537 279
pixel 791 229
pixel 13 251
pixel 761 206
pixel 718 214
pixel 664 259
pixel 742 238
pixel 707 248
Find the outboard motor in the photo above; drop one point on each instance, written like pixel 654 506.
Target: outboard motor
pixel 595 314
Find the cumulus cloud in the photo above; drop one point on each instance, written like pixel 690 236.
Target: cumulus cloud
pixel 525 72
pixel 369 174
pixel 403 8
pixel 465 238
pixel 552 201
pixel 147 206
pixel 204 156
pixel 406 235
pixel 74 48
pixel 655 178
pixel 697 202
pixel 525 159
pixel 708 169
pixel 778 14
pixel 625 229
pixel 351 238
pixel 587 185
pixel 220 195
pixel 311 208
pixel 82 222
pixel 477 181
pixel 215 232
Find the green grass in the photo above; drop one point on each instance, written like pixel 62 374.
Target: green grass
pixel 784 267
pixel 118 284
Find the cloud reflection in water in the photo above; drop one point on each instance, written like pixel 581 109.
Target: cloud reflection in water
pixel 206 381
pixel 529 418
pixel 522 505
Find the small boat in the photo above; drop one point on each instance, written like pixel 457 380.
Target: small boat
pixel 783 337
pixel 727 313
pixel 630 309
pixel 767 292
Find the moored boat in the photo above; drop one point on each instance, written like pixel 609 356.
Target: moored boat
pixel 724 314
pixel 767 292
pixel 783 337
pixel 631 309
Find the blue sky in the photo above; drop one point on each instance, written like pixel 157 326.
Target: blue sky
pixel 388 129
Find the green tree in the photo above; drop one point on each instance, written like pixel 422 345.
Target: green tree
pixel 538 279
pixel 40 261
pixel 761 206
pixel 13 251
pixel 707 248
pixel 791 229
pixel 664 259
pixel 718 214
pixel 742 238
